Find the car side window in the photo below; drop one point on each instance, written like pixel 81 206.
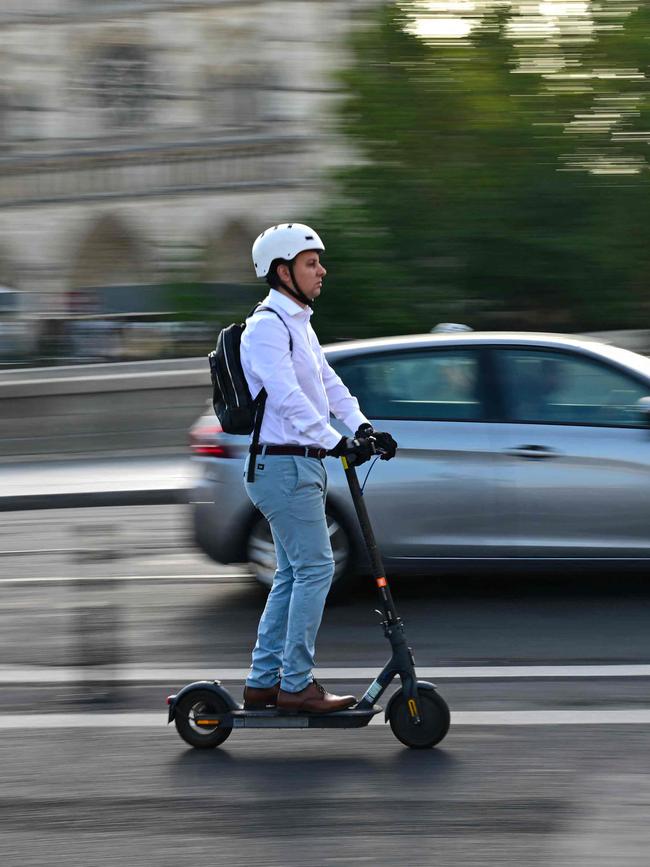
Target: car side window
pixel 438 385
pixel 556 387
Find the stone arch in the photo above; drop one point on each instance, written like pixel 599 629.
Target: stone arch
pixel 227 256
pixel 109 256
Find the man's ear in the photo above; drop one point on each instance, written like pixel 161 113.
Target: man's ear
pixel 284 274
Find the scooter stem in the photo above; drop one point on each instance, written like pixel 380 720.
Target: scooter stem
pixel 401 661
pixel 376 565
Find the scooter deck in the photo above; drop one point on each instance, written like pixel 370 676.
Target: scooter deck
pixel 273 719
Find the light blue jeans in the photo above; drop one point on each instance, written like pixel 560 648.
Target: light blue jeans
pixel 290 492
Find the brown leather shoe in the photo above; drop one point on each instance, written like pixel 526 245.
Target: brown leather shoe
pixel 260 699
pixel 313 699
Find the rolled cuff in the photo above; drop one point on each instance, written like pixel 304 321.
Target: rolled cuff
pixel 331 438
pixel 355 420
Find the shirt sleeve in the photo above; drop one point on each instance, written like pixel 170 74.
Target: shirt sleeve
pixel 344 405
pixel 270 360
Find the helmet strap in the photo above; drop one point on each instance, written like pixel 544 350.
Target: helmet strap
pixel 295 293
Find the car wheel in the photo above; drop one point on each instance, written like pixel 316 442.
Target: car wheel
pixel 260 551
pixel 202 534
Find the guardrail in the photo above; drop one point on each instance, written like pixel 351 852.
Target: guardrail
pixel 636 339
pixel 144 406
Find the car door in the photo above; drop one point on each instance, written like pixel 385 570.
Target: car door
pixel 573 454
pixel 437 498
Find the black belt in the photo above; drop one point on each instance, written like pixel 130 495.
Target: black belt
pixel 300 451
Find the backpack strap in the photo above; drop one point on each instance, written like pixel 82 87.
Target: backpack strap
pixel 271 310
pixel 260 402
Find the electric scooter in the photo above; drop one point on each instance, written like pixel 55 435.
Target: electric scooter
pixel 205 713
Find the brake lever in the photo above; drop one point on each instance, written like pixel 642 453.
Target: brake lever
pixel 376 450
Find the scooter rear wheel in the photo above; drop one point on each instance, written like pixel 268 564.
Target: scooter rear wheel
pixel 434 714
pixel 194 714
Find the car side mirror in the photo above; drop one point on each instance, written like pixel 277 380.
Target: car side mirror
pixel 643 405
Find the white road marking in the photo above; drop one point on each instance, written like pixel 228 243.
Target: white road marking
pixel 631 716
pixel 147 719
pixel 173 677
pixel 74 579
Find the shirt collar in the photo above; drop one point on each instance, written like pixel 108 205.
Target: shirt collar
pixel 288 305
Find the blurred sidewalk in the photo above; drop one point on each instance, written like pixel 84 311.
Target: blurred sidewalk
pixel 95 482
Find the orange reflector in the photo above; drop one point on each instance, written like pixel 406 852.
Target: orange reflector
pixel 381 582
pixel 208 722
pixel 413 708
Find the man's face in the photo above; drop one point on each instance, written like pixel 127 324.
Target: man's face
pixel 308 272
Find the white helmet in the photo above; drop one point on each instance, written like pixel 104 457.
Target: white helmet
pixel 283 242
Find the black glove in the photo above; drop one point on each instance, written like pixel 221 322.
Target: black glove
pixel 385 445
pixel 364 431
pixel 355 451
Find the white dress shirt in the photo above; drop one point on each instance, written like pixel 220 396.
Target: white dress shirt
pixel 302 388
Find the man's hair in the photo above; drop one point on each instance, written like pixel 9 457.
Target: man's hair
pixel 272 277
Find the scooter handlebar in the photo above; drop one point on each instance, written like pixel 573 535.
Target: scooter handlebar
pixel 377 449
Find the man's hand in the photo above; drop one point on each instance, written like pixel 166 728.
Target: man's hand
pixel 364 431
pixel 385 445
pixel 356 451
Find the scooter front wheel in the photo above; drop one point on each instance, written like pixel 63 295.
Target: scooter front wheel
pixel 198 719
pixel 434 715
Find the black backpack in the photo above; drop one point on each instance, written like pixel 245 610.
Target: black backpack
pixel 237 410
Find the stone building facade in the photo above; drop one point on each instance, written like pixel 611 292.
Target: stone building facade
pixel 141 137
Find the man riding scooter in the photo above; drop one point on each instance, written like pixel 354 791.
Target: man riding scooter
pixel 290 481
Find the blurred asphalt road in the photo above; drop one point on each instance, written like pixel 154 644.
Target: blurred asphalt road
pixel 539 797
pixel 104 611
pixel 105 481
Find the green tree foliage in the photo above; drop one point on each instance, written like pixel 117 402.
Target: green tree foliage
pixel 498 181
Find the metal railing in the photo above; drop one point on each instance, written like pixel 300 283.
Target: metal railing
pixel 54 11
pixel 256 161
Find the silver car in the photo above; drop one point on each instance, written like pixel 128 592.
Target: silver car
pixel 512 447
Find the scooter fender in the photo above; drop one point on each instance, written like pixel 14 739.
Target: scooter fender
pixel 422 684
pixel 212 685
